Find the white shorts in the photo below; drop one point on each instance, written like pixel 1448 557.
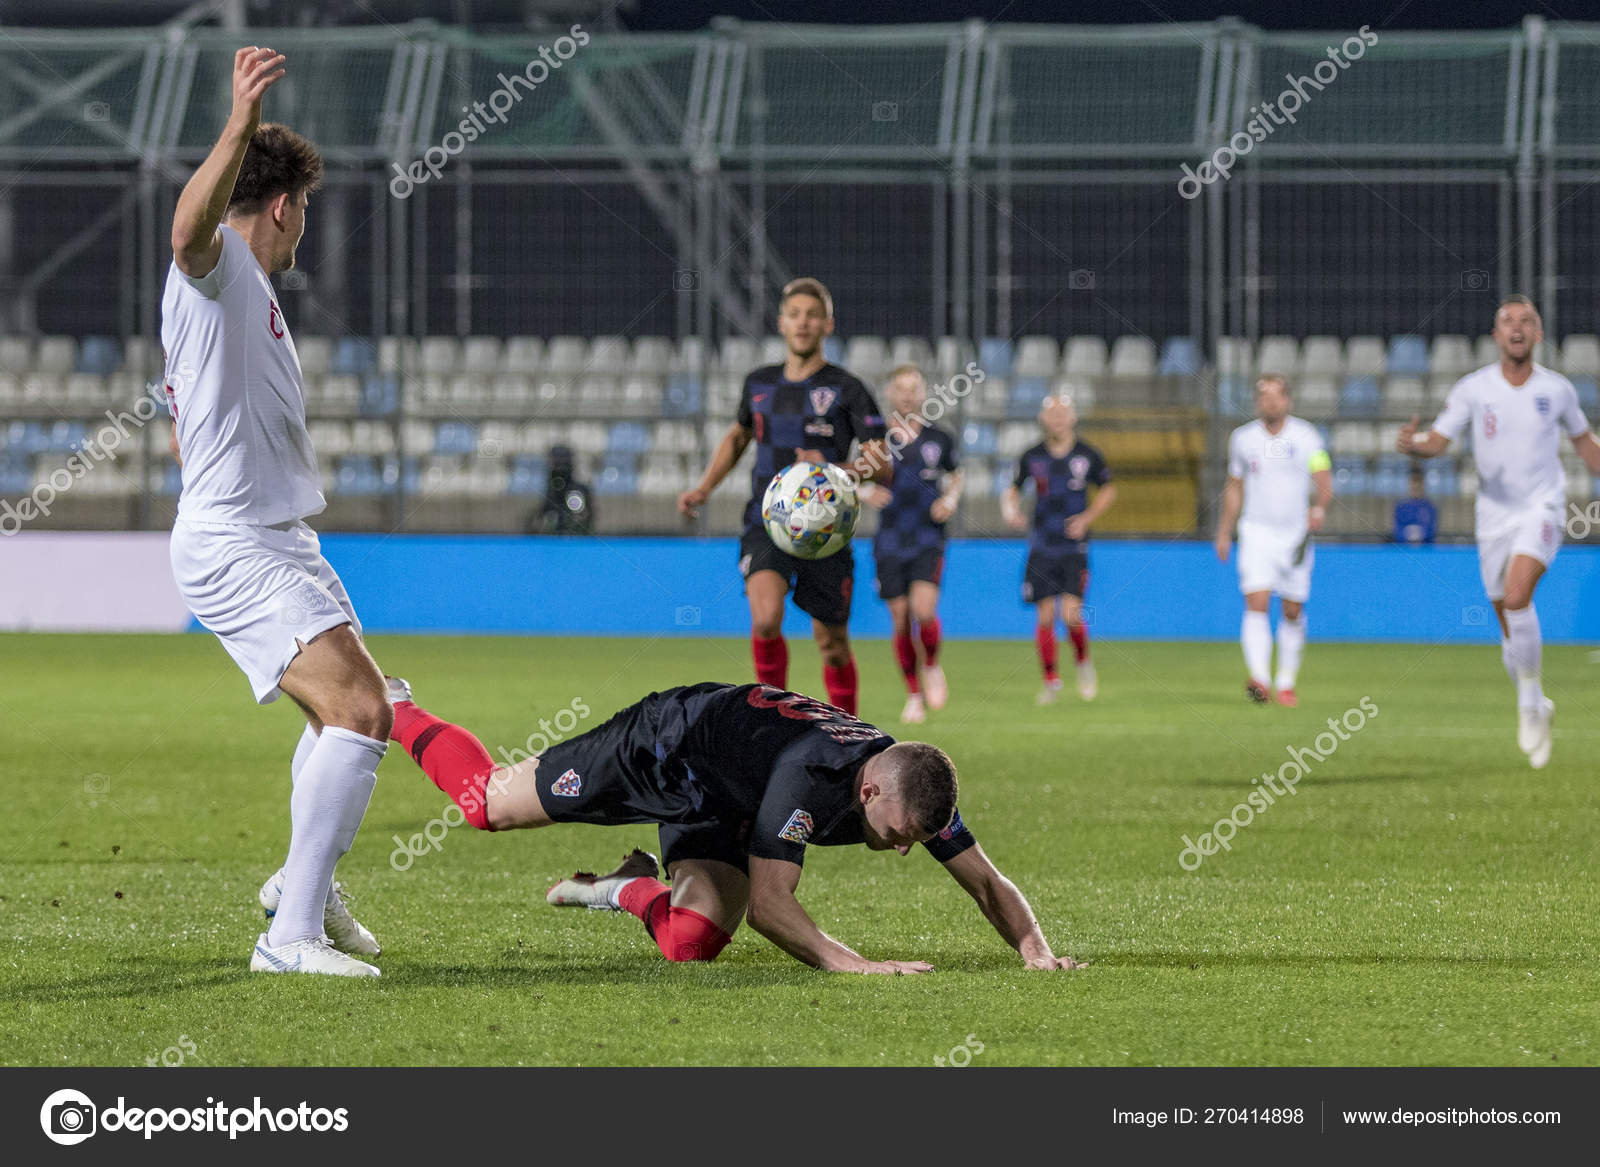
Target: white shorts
pixel 264 591
pixel 1535 532
pixel 1271 560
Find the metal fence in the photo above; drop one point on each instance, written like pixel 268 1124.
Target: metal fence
pixel 964 188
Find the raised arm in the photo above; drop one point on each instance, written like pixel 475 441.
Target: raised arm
pixel 726 457
pixel 1004 907
pixel 777 915
pixel 196 246
pixel 1428 445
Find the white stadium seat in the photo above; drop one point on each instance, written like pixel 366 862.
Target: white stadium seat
pixel 1450 355
pixel 651 357
pixel 523 354
pixel 1365 356
pixel 1234 356
pixel 1133 356
pixel 481 354
pixel 440 354
pixel 607 354
pixel 1485 352
pixel 1580 355
pixel 16 354
pixel 57 354
pixel 1085 357
pixel 565 355
pixel 914 350
pixel 1037 356
pixel 1278 354
pixel 315 352
pixel 1321 356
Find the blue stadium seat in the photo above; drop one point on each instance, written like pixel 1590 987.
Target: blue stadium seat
pixel 1408 356
pixel 380 395
pixel 1002 478
pixel 1180 357
pixel 99 354
pixel 26 437
pixel 455 437
pixel 1026 393
pixel 1588 394
pixel 619 475
pixel 1439 478
pixel 353 355
pixel 682 398
pixel 833 350
pixel 627 437
pixel 16 474
pixel 530 475
pixel 357 475
pixel 66 436
pixel 1393 476
pixel 979 439
pixel 172 479
pixel 995 355
pixel 1350 476
pixel 411 476
pixel 1360 398
pixel 1235 396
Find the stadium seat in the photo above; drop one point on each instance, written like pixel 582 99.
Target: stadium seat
pixel 66 436
pixel 682 397
pixel 1350 476
pixel 995 355
pixel 1000 478
pixel 1132 356
pixel 1354 439
pixel 40 388
pixel 1360 397
pixel 86 389
pixel 16 354
pixel 1316 396
pixel 1485 352
pixel 1015 437
pixel 627 437
pixel 481 355
pixel 1404 395
pixel 1408 356
pixel 867 356
pixel 617 476
pixel 1180 357
pixel 380 395
pixel 10 394
pixel 358 475
pixel 530 475
pixel 509 391
pixel 1234 357
pixel 371 437
pixel 455 437
pixel 1085 356
pixel 1588 394
pixel 587 437
pixel 399 354
pixel 1278 354
pixel 739 355
pixel 640 396
pixel 16 475
pixel 1025 395
pixel 498 439
pixel 1439 477
pixel 353 355
pixel 1321 356
pixel 1438 389
pixel 1037 356
pixel 439 354
pixel 607 354
pixel 1580 355
pixel 1392 477
pixel 651 357
pixel 949 357
pixel 1450 355
pixel 978 439
pixel 832 350
pixel 565 355
pixel 1364 356
pixel 100 354
pixel 673 437
pixel 522 354
pixel 691 356
pixel 1080 390
pixel 56 354
pixel 1236 396
pixel 142 355
pixel 773 350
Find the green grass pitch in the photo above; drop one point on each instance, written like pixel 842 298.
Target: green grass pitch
pixel 1424 897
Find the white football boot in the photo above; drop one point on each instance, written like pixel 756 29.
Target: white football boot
pixel 915 713
pixel 313 955
pixel 1048 694
pixel 935 687
pixel 345 932
pixel 1541 742
pixel 1088 683
pixel 584 889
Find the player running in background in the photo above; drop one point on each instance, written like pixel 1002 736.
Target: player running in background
pixel 246 564
pixel 740 778
pixel 1516 411
pixel 909 546
pixel 1273 462
pixel 804 410
pixel 1061 468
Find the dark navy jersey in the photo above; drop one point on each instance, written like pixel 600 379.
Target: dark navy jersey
pixel 905 528
pixel 825 412
pixel 1061 490
pixel 785 762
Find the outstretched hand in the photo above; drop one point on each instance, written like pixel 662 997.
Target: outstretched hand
pixel 255 70
pixel 1054 962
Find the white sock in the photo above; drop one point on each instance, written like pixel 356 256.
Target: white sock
pixel 1256 637
pixel 302 751
pixel 1505 659
pixel 1291 645
pixel 1525 649
pixel 325 811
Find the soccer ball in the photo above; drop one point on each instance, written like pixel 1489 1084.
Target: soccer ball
pixel 810 511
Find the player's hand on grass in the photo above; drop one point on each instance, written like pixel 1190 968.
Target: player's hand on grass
pixel 255 70
pixel 894 967
pixel 690 502
pixel 1054 962
pixel 1077 527
pixel 1408 435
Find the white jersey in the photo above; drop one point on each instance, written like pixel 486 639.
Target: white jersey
pixel 1516 438
pixel 1276 471
pixel 238 401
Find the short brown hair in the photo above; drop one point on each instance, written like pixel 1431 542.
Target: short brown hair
pixel 1276 379
pixel 277 161
pixel 925 781
pixel 808 286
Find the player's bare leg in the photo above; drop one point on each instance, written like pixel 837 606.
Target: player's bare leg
pixel 1523 651
pixel 905 655
pixel 1255 637
pixel 1044 638
pixel 1291 647
pixel 337 682
pixel 925 613
pixel 838 664
pixel 1078 631
pixel 766 591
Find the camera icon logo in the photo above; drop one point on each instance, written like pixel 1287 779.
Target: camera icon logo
pixel 491 448
pixel 886 111
pixel 1277 448
pixel 1474 616
pixel 686 616
pixel 1476 280
pixel 96 111
pixel 68 1117
pixel 294 281
pixel 1081 279
pixel 685 279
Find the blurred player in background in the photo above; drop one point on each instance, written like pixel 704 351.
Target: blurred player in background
pixel 1516 411
pixel 741 780
pixel 1273 463
pixel 1062 468
pixel 804 410
pixel 244 560
pixel 909 546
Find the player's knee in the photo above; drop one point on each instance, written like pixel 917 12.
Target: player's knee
pixel 689 936
pixel 1517 597
pixel 368 714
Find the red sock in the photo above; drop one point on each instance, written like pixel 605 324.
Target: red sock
pixel 772 660
pixel 906 653
pixel 1044 635
pixel 1080 640
pixel 930 639
pixel 451 757
pixel 841 685
pixel 681 934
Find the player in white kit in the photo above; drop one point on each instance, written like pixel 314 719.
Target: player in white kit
pixel 1516 411
pixel 245 562
pixel 1273 463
